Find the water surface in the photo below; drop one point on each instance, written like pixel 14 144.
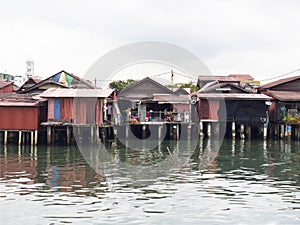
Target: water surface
pixel 245 182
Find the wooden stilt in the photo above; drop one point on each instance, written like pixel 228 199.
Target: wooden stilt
pixel 144 131
pixel 265 131
pixel 126 131
pixel 208 129
pixel 248 132
pixel 189 127
pixel 97 134
pixel 159 132
pixel 35 137
pixel 233 129
pixel 68 135
pixel 49 135
pixel 177 131
pixel 217 129
pixel 92 133
pixel 282 130
pixel 242 131
pixel 201 128
pixel 5 137
pixel 20 137
pixel 31 138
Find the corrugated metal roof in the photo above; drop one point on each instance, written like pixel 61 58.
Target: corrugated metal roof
pixel 242 76
pixel 221 85
pixel 288 96
pixel 236 96
pixel 171 98
pixel 218 78
pixel 13 99
pixel 278 82
pixel 76 93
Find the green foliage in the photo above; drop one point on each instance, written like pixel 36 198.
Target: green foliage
pixel 118 85
pixel 192 86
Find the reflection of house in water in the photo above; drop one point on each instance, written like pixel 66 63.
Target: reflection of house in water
pixel 148 103
pixel 66 171
pixel 285 107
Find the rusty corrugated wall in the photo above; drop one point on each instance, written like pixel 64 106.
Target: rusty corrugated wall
pixel 19 118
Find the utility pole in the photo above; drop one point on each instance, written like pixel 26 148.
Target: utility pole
pixel 172 80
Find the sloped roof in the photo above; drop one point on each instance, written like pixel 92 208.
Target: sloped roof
pixel 68 78
pixel 231 96
pixel 181 91
pixel 29 83
pixel 43 83
pixel 62 79
pixel 219 86
pixel 76 93
pixel 139 89
pixel 14 99
pixel 242 76
pixel 286 96
pixel 279 82
pixel 172 98
pixel 218 78
pixel 3 84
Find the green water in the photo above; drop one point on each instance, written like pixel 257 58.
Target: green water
pixel 242 182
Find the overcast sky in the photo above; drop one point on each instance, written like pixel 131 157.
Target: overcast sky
pixel 261 38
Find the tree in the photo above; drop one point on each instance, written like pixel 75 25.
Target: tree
pixel 118 85
pixel 190 85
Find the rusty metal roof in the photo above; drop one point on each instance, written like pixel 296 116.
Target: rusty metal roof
pixel 235 96
pixel 278 82
pixel 287 96
pixel 76 93
pixel 14 99
pixel 242 76
pixel 171 98
pixel 219 78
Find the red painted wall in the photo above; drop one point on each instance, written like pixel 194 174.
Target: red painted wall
pixel 80 110
pixel 208 109
pixel 7 89
pixel 19 118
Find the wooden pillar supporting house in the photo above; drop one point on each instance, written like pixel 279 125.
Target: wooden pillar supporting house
pixel 5 137
pixel 35 137
pixel 92 133
pixel 201 128
pixel 189 128
pixel 248 132
pixel 20 138
pixel 233 129
pixel 49 135
pixel 68 135
pixel 31 137
pixel 144 131
pixel 177 132
pixel 159 132
pixel 209 129
pixel 282 129
pixel 242 131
